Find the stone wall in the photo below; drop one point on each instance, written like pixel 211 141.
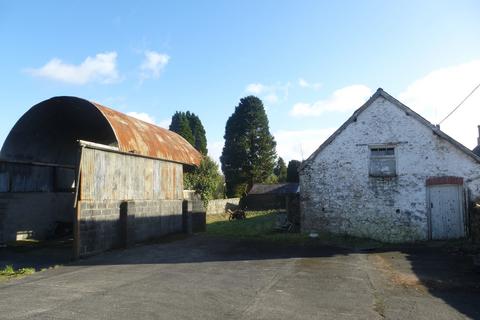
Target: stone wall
pixel 33 214
pixel 216 206
pixel 104 225
pixel 220 206
pixel 339 196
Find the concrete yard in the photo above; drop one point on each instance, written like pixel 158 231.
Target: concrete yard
pixel 202 277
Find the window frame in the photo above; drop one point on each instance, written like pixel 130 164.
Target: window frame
pixel 389 154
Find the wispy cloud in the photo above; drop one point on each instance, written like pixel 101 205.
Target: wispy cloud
pixel 341 100
pixel 164 123
pixel 310 85
pixel 142 116
pixel 272 94
pixel 437 93
pixel 153 64
pixel 299 144
pixel 215 149
pixel 102 68
pixel 255 88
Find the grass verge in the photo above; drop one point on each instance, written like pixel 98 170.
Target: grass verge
pixel 9 272
pixel 260 225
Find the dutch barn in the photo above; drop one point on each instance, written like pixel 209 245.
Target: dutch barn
pixel 389 174
pixel 71 165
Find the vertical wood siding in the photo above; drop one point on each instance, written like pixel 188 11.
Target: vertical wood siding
pixel 113 176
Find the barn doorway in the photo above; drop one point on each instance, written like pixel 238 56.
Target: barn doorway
pixel 447 209
pixel 38 167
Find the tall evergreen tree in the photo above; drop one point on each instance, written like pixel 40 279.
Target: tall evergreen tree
pixel 292 171
pixel 181 125
pixel 198 131
pixel 280 170
pixel 248 155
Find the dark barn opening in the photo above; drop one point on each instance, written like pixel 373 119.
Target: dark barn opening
pixel 38 167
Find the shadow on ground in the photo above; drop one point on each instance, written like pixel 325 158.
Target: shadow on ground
pixel 37 255
pixel 443 270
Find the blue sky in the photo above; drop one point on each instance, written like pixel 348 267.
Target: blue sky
pixel 311 62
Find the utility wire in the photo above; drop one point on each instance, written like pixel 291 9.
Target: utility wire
pixel 459 105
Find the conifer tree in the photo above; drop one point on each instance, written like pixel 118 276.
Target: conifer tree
pixel 248 155
pixel 292 171
pixel 181 125
pixel 280 170
pixel 198 132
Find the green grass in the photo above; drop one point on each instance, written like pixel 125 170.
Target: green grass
pixel 9 272
pixel 260 225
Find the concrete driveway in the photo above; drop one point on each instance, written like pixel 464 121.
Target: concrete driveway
pixel 209 278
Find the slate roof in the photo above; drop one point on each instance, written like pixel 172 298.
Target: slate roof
pixel 278 188
pixel 381 93
pixel 476 150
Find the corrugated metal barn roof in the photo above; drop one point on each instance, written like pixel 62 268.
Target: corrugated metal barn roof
pixel 49 130
pixel 139 137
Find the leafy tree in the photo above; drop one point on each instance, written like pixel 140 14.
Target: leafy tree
pixel 181 125
pixel 248 155
pixel 272 179
pixel 280 170
pixel 188 125
pixel 205 179
pixel 292 171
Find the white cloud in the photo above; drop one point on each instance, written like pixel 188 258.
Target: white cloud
pixel 153 64
pixel 165 123
pixel 291 144
pixel 342 100
pixel 215 149
pixel 255 88
pixel 101 68
pixel 305 84
pixel 300 144
pixel 437 93
pixel 272 94
pixel 271 98
pixel 142 116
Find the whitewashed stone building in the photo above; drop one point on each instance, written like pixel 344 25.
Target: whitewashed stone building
pixel 389 174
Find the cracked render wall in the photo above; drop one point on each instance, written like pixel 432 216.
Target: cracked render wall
pixel 339 196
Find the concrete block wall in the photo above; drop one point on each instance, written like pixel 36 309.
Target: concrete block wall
pixel 109 224
pixel 194 215
pixel 155 218
pixel 98 227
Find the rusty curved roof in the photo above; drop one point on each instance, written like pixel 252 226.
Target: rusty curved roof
pixel 139 137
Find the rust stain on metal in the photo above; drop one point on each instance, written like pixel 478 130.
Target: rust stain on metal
pixel 139 137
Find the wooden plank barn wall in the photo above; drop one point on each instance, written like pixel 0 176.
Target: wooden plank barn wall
pixel 125 198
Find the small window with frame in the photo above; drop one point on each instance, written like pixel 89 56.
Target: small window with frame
pixel 382 161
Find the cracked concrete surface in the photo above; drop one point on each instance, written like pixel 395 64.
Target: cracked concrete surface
pixel 208 278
